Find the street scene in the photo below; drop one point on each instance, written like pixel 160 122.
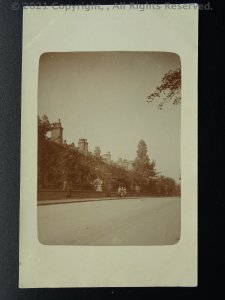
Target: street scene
pixel 109 148
pixel 143 221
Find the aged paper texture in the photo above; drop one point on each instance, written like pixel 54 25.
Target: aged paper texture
pixel 96 30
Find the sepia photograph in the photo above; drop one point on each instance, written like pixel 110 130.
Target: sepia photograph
pixel 109 148
pixel 109 130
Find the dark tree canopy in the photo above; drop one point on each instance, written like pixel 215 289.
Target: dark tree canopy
pixel 144 170
pixel 169 90
pixel 142 156
pixel 43 127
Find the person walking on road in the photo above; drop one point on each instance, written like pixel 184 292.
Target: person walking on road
pixel 119 191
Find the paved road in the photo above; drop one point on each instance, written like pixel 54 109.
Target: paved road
pixel 142 221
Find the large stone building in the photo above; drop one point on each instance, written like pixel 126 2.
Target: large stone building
pixel 57 136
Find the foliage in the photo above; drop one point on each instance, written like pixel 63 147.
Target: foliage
pixel 166 186
pixel 43 127
pixel 144 170
pixel 44 151
pixel 59 162
pixel 169 90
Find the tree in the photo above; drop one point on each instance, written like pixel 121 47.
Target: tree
pixel 43 127
pixel 169 90
pixel 144 169
pixel 166 186
pixel 44 154
pixel 142 156
pixel 59 162
pixel 119 176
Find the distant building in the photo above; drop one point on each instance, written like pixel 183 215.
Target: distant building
pixel 97 151
pixel 57 132
pixel 57 136
pixel 130 164
pixel 124 163
pixel 107 157
pixel 72 146
pixel 83 145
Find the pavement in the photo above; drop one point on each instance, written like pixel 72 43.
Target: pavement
pixel 140 221
pixel 61 201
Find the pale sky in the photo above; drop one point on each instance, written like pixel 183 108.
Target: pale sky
pixel 102 96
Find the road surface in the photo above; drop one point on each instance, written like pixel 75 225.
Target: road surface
pixel 141 221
